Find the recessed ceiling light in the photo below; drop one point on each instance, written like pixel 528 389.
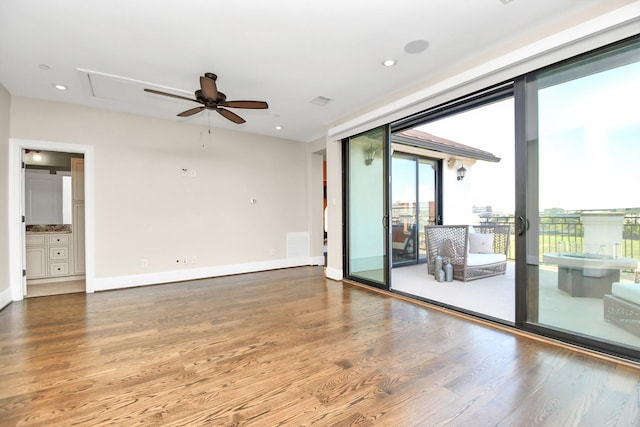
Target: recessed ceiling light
pixel 389 62
pixel 278 127
pixel 60 87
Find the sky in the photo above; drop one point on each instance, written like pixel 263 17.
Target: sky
pixel 489 128
pixel 589 144
pixel 590 141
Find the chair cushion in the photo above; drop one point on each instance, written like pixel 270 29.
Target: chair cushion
pixel 482 259
pixel 481 243
pixel 626 291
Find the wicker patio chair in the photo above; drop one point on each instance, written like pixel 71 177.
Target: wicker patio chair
pixel 452 243
pixel 623 310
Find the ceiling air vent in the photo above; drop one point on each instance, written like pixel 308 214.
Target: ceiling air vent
pixel 321 101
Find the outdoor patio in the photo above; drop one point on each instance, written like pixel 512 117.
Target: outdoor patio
pixel 495 297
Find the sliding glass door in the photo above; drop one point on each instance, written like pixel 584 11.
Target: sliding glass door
pixel 367 230
pixel 551 159
pixel 583 203
pixel 413 195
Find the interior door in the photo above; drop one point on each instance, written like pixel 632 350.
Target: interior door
pixel 367 207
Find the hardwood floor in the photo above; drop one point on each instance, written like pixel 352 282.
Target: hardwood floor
pixel 288 347
pixel 55 288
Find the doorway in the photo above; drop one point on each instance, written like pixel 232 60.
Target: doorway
pixel 466 159
pixel 17 229
pixel 54 222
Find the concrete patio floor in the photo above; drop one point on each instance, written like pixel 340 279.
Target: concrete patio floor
pixel 495 297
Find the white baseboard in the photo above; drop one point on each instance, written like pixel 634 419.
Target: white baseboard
pixel 317 260
pixel 109 283
pixel 5 298
pixel 333 273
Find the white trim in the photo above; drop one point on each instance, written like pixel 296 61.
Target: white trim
pixel 316 260
pixel 16 229
pixel 334 273
pixel 110 283
pixel 5 298
pixel 607 28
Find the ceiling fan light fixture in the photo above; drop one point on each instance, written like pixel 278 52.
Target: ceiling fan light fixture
pixel 210 98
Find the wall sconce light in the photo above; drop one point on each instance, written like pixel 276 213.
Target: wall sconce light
pixel 370 154
pixel 461 173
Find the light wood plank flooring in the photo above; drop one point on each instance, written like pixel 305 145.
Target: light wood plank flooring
pixel 288 347
pixel 55 288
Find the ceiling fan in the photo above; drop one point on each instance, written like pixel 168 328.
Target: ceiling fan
pixel 212 99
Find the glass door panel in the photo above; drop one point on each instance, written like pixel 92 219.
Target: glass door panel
pixel 403 208
pixel 582 245
pixel 367 208
pixel 427 206
pixel 413 193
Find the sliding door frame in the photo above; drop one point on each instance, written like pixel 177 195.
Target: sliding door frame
pixel 385 158
pixel 417 160
pixel 527 167
pixel 522 89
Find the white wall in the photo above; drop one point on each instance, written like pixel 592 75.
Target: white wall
pixel 148 215
pixel 334 210
pixel 315 197
pixel 457 205
pixel 5 105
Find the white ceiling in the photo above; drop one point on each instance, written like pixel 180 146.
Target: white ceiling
pixel 285 52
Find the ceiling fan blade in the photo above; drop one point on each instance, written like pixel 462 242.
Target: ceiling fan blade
pixel 209 88
pixel 230 115
pixel 256 105
pixel 191 112
pixel 157 92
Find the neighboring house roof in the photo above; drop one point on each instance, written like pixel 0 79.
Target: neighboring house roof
pixel 431 142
